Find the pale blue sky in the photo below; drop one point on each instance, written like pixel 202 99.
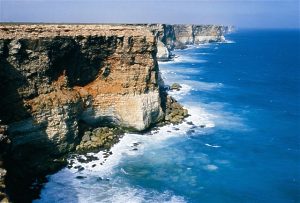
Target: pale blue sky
pixel 241 13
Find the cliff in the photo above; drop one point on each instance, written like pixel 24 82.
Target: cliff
pixel 57 78
pixel 178 36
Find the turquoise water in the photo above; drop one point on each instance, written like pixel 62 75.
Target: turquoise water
pixel 246 93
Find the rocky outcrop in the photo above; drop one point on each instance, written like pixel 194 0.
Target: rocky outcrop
pixel 163 53
pixel 163 35
pixel 103 137
pixel 175 113
pixel 175 86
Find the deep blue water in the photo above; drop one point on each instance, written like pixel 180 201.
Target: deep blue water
pixel 247 94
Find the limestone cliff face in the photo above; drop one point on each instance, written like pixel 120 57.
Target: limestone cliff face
pixel 183 34
pixel 180 35
pixel 161 32
pixel 55 76
pixel 198 34
pixel 209 33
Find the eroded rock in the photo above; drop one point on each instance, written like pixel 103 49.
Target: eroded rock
pixel 99 138
pixel 175 113
pixel 175 86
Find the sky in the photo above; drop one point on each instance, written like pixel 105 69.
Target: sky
pixel 240 13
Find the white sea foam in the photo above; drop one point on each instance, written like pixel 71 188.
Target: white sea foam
pixel 202 53
pixel 214 146
pixel 216 113
pixel 228 41
pixel 180 94
pixel 213 113
pixel 135 144
pixel 210 167
pixel 189 59
pixel 65 187
pixel 132 195
pixel 202 86
pixel 182 70
pixel 183 59
pixel 224 162
pixel 181 75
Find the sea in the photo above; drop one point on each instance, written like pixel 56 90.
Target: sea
pixel 240 144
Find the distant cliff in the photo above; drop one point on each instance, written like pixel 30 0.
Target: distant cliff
pixel 179 36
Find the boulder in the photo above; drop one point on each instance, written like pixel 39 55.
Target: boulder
pixel 175 86
pixel 175 113
pixel 99 138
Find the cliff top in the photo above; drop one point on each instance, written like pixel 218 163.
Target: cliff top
pixel 15 31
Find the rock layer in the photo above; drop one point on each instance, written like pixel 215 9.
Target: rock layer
pixel 53 76
pixel 103 137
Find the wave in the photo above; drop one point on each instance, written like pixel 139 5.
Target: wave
pixel 91 188
pixel 221 118
pixel 182 59
pixel 166 70
pixel 135 144
pixel 211 167
pixel 214 146
pixel 175 76
pixel 190 85
pixel 202 53
pixel 202 86
pixel 213 111
pixel 228 42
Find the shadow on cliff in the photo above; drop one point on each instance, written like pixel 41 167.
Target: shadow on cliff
pixel 82 60
pixel 27 161
pixel 70 183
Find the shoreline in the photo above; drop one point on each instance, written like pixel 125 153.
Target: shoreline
pixel 78 100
